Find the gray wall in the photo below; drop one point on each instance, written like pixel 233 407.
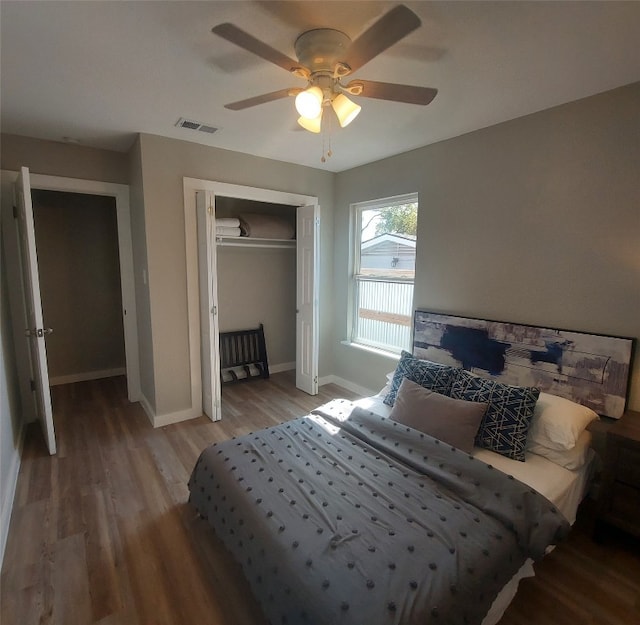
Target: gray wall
pixel 164 163
pixel 259 286
pixel 143 303
pixel 536 220
pixel 63 159
pixel 10 421
pixel 77 243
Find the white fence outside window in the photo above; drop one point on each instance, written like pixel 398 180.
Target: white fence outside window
pixel 384 314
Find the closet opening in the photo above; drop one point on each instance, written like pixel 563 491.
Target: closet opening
pixel 257 275
pixel 285 298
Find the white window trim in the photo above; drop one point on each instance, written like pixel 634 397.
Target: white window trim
pixel 372 350
pixel 355 222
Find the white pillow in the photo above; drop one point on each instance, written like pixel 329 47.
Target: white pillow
pixel 571 459
pixel 387 387
pixel 558 422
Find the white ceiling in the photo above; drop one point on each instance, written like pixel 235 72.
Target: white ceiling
pixel 100 72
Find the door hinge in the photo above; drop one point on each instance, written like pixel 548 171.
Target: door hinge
pixel 33 385
pixel 15 212
pixel 210 209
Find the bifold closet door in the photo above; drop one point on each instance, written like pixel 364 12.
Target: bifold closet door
pixel 209 337
pixel 307 299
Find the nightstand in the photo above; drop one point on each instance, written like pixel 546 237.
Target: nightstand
pixel 619 504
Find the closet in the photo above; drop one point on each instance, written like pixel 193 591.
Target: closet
pixel 256 280
pixel 273 282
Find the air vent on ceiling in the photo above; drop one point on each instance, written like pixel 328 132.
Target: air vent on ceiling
pixel 193 125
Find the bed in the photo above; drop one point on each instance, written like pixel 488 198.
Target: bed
pixel 359 512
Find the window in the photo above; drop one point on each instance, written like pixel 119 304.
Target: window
pixel 384 234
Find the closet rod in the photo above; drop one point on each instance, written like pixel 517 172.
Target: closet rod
pixel 284 245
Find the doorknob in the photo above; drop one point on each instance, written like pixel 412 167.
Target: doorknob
pixel 39 332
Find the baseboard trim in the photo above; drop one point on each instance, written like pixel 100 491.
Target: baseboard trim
pixel 175 417
pixel 283 366
pixel 350 386
pixel 86 376
pixel 158 421
pixel 146 406
pixel 7 503
pixel 170 418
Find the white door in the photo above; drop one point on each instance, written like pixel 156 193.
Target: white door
pixel 210 359
pixel 35 330
pixel 307 299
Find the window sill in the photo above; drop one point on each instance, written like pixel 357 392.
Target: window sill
pixel 372 350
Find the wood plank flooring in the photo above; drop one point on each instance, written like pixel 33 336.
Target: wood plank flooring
pixel 102 533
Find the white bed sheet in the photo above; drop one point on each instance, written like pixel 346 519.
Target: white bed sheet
pixel 563 487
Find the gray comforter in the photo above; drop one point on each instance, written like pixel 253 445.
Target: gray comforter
pixel 345 517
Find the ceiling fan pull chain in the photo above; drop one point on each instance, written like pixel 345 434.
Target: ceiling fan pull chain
pixel 323 130
pixel 326 137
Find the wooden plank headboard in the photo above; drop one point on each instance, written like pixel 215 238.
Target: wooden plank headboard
pixel 590 369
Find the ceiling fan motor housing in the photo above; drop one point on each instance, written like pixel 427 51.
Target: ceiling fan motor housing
pixel 321 49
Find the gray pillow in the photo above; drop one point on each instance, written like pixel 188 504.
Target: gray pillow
pixel 453 421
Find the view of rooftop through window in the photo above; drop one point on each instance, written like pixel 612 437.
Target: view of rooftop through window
pixel 388 242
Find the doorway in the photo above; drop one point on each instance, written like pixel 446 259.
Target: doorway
pixel 202 282
pixel 119 193
pixel 77 244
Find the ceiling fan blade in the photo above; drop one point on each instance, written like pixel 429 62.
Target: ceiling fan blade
pixel 249 43
pixel 389 29
pixel 261 99
pixel 390 91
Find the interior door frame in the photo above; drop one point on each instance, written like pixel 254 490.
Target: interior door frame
pixel 190 187
pixel 120 193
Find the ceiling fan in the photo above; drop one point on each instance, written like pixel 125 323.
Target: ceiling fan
pixel 325 57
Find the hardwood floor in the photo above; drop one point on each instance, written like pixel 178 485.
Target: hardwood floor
pixel 102 533
pixel 582 582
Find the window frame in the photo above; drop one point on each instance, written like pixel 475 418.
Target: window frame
pixel 356 278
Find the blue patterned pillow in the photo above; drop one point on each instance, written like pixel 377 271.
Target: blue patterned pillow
pixel 430 375
pixel 505 425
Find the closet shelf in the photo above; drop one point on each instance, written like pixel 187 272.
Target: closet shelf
pixel 254 242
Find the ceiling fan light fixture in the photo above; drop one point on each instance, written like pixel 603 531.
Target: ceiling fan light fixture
pixel 311 124
pixel 346 110
pixel 309 102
